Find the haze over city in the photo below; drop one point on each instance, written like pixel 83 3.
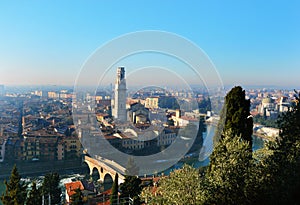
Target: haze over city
pixel 249 42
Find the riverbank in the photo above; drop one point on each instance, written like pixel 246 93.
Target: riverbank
pixel 264 137
pixel 28 169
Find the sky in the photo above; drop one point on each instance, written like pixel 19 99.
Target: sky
pixel 249 42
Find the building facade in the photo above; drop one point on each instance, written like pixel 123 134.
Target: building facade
pixel 152 102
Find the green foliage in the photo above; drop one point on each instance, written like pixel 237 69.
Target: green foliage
pixel 181 187
pixel 77 197
pixel 15 193
pixel 131 188
pixel 265 121
pixel 236 116
pixel 228 179
pixel 168 102
pixel 51 186
pixel 34 196
pixel 280 172
pixel 115 191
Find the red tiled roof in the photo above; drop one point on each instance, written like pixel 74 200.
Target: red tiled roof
pixel 72 186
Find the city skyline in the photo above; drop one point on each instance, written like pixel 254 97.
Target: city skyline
pixel 250 43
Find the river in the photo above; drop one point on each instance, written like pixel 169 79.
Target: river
pixel 208 147
pixel 203 159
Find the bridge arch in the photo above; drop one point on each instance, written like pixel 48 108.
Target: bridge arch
pixel 95 174
pixel 107 181
pixel 105 169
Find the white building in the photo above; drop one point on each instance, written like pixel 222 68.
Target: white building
pixel 268 108
pixel 119 101
pixel 284 105
pixel 182 121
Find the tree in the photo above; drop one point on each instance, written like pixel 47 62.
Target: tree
pixel 236 116
pixel 228 179
pixel 51 187
pixel 280 171
pixel 77 197
pixel 15 192
pixel 181 187
pixel 269 122
pixel 34 196
pixel 131 188
pixel 115 191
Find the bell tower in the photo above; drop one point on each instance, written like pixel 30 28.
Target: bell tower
pixel 119 103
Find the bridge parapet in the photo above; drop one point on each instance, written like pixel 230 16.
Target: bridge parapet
pixel 104 167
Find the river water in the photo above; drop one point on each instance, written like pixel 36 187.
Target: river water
pixel 202 161
pixel 208 148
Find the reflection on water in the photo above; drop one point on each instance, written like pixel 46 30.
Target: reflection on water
pixel 207 149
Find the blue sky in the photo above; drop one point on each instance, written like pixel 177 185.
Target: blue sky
pixel 250 42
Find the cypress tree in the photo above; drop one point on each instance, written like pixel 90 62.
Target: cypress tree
pixel 228 178
pixel 131 188
pixel 15 192
pixel 114 192
pixel 235 116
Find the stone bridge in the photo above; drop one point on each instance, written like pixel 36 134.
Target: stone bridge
pixel 106 169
